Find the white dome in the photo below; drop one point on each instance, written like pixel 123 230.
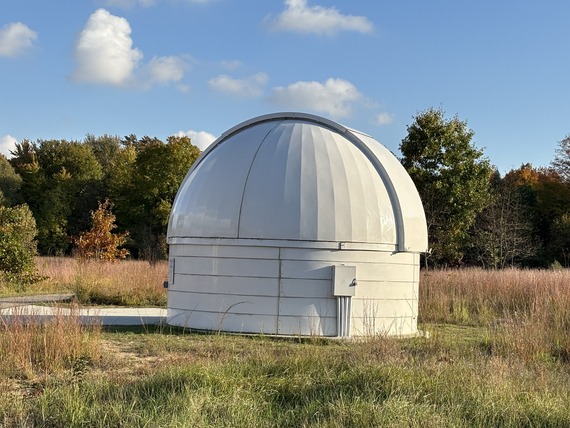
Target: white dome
pixel 299 177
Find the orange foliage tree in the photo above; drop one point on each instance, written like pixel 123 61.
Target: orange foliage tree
pixel 100 242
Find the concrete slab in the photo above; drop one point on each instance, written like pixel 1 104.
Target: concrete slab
pixel 6 302
pixel 90 315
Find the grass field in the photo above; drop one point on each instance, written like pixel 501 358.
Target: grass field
pixel 123 283
pixel 498 355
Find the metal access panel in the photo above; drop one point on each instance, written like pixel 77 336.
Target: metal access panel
pixel 344 280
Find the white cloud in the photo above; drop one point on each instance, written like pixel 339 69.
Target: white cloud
pixel 182 87
pixel 301 18
pixel 104 52
pixel 251 86
pixel 166 69
pixel 104 55
pixel 7 143
pixel 201 139
pixel 231 65
pixel 16 38
pixel 384 118
pixel 335 96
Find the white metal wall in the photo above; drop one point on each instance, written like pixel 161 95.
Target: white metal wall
pixel 288 291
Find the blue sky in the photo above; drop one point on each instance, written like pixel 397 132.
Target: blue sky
pixel 199 67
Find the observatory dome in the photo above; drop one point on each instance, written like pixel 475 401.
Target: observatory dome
pixel 292 224
pixel 299 177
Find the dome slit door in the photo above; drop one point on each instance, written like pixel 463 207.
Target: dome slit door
pixel 343 288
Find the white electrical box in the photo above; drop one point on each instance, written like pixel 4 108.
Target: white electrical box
pixel 344 280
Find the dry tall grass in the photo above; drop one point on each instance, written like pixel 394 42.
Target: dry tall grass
pixel 32 347
pixel 510 369
pixel 527 311
pixel 130 283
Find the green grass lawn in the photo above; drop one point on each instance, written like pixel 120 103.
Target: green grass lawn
pixel 162 377
pixel 497 355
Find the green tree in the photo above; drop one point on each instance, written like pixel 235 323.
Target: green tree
pixel 105 149
pixel 24 154
pixel 560 239
pixel 10 182
pixel 452 178
pixel 60 179
pixel 17 244
pixel 144 187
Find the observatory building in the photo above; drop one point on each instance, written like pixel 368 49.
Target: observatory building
pixel 291 224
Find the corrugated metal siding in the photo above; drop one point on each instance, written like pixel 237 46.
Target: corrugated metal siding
pixel 289 291
pixel 316 186
pixel 287 178
pixel 411 208
pixel 208 202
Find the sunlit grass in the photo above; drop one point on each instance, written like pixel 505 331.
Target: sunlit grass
pixel 498 354
pixel 125 283
pixel 222 381
pixel 526 311
pixel 32 346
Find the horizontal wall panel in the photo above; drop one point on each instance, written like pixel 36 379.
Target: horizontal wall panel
pixel 224 251
pixel 246 288
pixel 403 326
pixel 306 270
pixel 372 272
pixel 346 256
pixel 297 306
pixel 389 290
pixel 306 288
pixel 365 271
pixel 218 303
pixel 383 308
pixel 227 267
pixel 307 326
pixel 229 322
pixel 226 285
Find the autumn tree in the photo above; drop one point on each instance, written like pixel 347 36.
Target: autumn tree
pixel 547 198
pixel 100 242
pixel 452 178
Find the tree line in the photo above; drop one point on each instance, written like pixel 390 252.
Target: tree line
pixel 475 216
pixel 61 183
